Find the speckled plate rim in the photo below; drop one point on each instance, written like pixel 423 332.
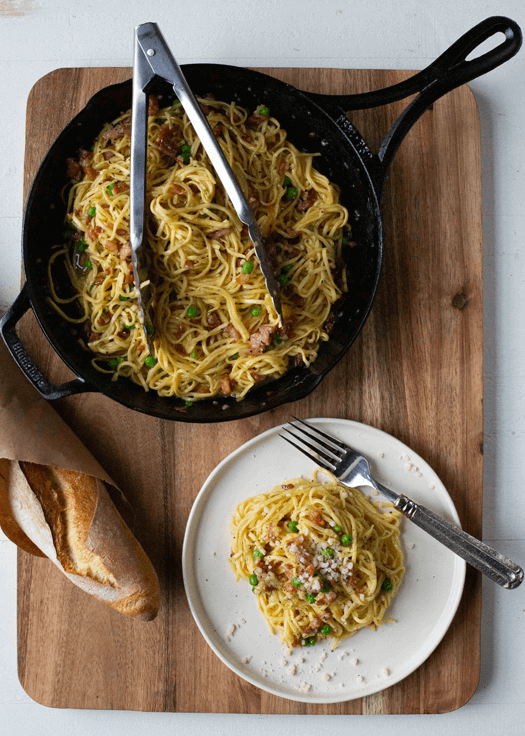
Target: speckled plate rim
pixel 225 468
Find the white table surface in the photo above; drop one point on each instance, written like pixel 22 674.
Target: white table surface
pixel 37 36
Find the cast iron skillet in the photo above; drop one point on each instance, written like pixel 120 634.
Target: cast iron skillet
pixel 346 160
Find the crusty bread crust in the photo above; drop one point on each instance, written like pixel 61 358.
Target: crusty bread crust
pixel 92 544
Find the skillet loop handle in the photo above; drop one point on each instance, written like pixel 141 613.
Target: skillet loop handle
pixel 20 355
pixel 449 71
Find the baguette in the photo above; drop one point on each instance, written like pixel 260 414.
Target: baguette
pixel 70 517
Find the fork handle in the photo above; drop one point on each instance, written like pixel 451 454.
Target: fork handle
pixel 491 563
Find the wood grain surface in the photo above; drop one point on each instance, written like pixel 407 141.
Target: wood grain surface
pixel 415 372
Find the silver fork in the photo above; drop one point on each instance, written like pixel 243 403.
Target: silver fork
pixel 353 470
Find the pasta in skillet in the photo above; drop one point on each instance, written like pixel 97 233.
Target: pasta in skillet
pixel 215 329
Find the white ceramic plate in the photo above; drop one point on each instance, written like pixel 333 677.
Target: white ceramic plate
pixel 423 608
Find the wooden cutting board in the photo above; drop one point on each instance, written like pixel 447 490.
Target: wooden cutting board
pixel 415 372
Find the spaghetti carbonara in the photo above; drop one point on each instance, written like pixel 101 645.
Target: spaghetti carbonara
pixel 215 329
pixel 322 559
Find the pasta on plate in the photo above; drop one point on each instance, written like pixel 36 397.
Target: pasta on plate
pixel 322 559
pixel 215 330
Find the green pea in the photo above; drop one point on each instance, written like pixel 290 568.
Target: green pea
pixel 122 298
pixel 129 327
pixel 345 240
pixel 110 189
pixel 277 339
pixel 326 630
pixel 253 579
pixel 93 147
pixel 192 311
pixel 293 526
pixel 287 182
pixel 92 211
pixel 296 583
pixel 81 246
pixel 115 362
pixel 291 193
pixel 287 269
pixel 263 110
pixel 326 588
pixel 328 552
pixel 256 311
pixel 346 540
pixel 192 354
pixel 150 361
pixel 88 264
pixel 387 585
pixel 283 280
pixel 336 528
pixel 149 329
pixel 257 554
pixel 175 102
pixel 311 597
pixel 186 153
pixel 234 356
pixel 189 403
pixel 247 267
pixel 309 642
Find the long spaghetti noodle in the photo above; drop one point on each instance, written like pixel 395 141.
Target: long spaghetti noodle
pixel 322 559
pixel 215 329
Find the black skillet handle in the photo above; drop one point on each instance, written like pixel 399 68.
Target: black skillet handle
pixel 19 353
pixel 450 70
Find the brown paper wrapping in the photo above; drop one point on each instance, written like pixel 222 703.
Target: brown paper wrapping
pixel 32 431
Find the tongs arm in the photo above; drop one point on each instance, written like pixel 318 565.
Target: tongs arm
pixel 162 63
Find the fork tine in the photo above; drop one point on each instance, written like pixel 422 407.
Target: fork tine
pixel 305 452
pixel 316 439
pixel 332 460
pixel 323 434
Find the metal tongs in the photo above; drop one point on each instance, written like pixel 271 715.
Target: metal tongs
pixel 152 59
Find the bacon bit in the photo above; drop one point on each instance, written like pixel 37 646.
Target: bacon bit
pixel 242 278
pixel 117 131
pixel 194 188
pixel 289 234
pixel 129 278
pixel 217 130
pixel 142 348
pixel 286 486
pixel 329 324
pixel 111 246
pixel 220 233
pixel 282 167
pixel 313 627
pixel 288 323
pixel 105 206
pixel 121 231
pixel 90 172
pixel 107 271
pixel 213 320
pixel 311 198
pixel 260 339
pixel 107 155
pixel 257 378
pixel 74 170
pixel 232 331
pixel 297 361
pixel 178 189
pixel 326 599
pixel 180 350
pixel 289 588
pixel 84 157
pixel 99 281
pixel 94 336
pixel 312 134
pixel 244 231
pixel 246 138
pixel 104 319
pixel 225 384
pixel 236 117
pixel 153 105
pixel 166 138
pixel 316 517
pixel 121 186
pixel 93 232
pixel 352 244
pixel 202 389
pixel 289 572
pixel 256 119
pixel 205 109
pixel 272 535
pixel 179 331
pixel 298 300
pixel 188 263
pixel 124 251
